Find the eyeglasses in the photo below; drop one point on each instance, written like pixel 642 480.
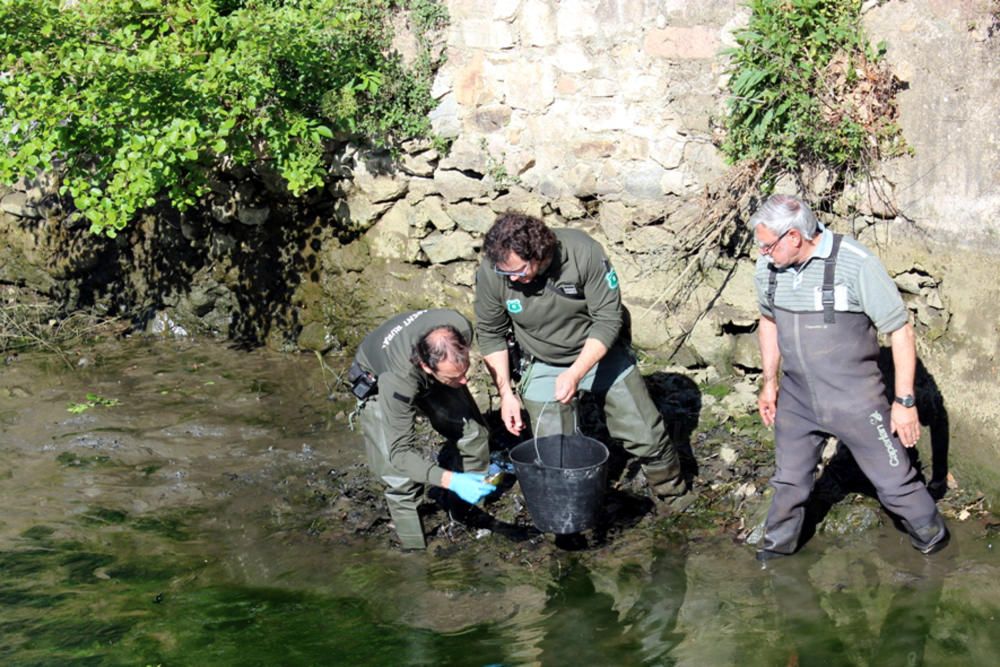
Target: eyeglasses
pixel 768 248
pixel 513 274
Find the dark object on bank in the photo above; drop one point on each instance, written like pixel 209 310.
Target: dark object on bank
pixel 363 383
pixel 563 479
pixel 517 361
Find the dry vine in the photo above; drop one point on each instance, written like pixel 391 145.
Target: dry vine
pixel 720 224
pixel 37 324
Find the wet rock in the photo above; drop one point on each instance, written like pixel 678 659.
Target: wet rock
pixel 353 257
pixel 851 518
pixel 316 337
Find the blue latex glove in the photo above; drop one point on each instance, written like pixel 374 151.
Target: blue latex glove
pixel 470 487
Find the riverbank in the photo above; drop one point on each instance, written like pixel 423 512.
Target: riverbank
pixel 195 421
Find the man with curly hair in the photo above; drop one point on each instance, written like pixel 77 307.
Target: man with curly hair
pixel 558 293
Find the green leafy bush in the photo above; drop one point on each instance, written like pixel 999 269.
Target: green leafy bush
pixel 806 88
pixel 133 100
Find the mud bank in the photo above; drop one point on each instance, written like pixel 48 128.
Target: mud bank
pixel 183 426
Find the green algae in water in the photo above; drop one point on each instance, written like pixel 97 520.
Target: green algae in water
pixel 73 603
pixel 103 515
pixel 154 619
pixel 172 526
pixel 73 460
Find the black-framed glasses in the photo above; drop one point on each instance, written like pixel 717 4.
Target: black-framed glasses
pixel 767 248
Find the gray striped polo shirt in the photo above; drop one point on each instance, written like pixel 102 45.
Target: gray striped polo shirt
pixel 861 285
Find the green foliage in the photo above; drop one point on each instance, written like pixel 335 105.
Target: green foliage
pixel 93 401
pixel 134 100
pixel 806 88
pixel 719 390
pixel 496 170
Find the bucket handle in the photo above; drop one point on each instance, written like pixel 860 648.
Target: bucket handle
pixel 576 429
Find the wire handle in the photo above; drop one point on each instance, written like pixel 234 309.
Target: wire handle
pixel 534 430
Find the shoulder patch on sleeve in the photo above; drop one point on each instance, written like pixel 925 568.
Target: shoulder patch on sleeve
pixel 400 397
pixel 610 276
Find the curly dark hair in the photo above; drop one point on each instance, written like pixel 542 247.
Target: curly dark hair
pixel 521 234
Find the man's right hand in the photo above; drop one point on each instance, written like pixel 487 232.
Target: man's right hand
pixel 767 402
pixel 510 412
pixel 470 487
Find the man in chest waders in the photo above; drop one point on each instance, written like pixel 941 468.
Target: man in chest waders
pixel 822 297
pixel 417 362
pixel 559 294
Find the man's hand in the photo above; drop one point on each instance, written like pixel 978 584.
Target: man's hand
pixel 568 382
pixel 510 413
pixel 470 487
pixel 566 385
pixel 905 423
pixel 767 402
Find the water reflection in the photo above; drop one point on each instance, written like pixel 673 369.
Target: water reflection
pixel 846 603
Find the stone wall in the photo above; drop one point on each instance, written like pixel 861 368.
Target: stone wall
pixel 948 54
pixel 599 113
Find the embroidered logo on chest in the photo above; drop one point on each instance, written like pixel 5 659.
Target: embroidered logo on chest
pixel 514 305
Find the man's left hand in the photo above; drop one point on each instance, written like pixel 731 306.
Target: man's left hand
pixel 566 386
pixel 906 424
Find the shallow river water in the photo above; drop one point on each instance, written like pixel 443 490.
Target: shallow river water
pixel 157 509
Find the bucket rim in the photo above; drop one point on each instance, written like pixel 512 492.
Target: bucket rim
pixel 536 463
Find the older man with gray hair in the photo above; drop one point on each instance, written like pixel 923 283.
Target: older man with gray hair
pixel 823 299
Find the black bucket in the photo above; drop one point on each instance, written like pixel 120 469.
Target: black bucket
pixel 562 478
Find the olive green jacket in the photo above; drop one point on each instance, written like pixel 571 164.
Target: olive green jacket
pixel 575 299
pixel 385 352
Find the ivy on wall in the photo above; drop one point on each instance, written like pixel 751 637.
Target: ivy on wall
pixel 806 88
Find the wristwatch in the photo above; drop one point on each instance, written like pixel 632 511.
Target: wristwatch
pixel 906 401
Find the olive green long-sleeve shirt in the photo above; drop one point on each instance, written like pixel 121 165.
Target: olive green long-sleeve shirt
pixel 385 352
pixel 550 320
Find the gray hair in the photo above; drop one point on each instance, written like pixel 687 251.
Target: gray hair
pixel 781 213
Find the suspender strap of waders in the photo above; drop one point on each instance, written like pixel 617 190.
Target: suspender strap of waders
pixel 772 285
pixel 829 269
